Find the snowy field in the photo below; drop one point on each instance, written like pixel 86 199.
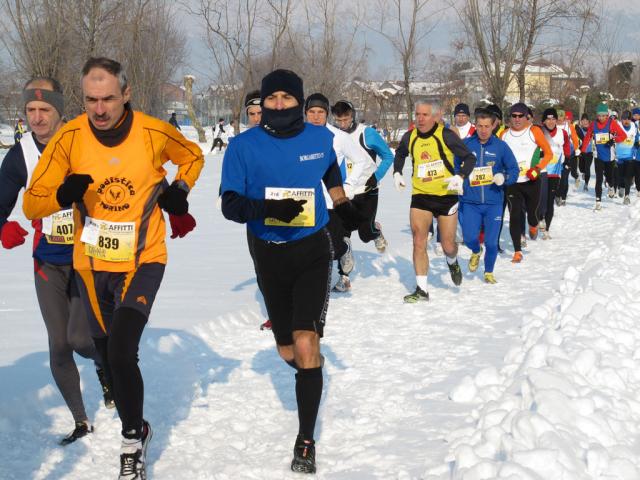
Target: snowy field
pixel 537 377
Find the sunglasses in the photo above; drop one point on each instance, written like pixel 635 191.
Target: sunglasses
pixel 517 115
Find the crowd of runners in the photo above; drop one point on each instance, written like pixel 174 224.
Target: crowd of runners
pixel 303 177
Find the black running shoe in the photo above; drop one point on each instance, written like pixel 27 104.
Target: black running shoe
pixel 456 273
pixel 106 391
pixel 82 429
pixel 304 456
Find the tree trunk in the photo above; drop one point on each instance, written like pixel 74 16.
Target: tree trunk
pixel 188 94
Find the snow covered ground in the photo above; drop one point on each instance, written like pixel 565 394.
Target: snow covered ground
pixel 533 378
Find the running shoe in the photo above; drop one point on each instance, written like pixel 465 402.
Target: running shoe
pixel 456 273
pixel 380 242
pixel 133 455
pixel 517 257
pixel 82 429
pixel 533 233
pixel 107 395
pixel 523 241
pixel 489 278
pixel 612 192
pixel 546 235
pixel 598 205
pixel 558 201
pixel 542 225
pixel 474 261
pixel 627 200
pixel 266 325
pixel 418 296
pixel 304 456
pixel 621 193
pixel 343 284
pixel 438 249
pixel 347 262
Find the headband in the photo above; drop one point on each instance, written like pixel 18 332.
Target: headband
pixel 55 99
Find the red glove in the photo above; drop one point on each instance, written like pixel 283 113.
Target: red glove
pixel 181 224
pixel 533 173
pixel 12 235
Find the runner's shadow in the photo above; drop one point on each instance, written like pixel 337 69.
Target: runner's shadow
pixel 27 396
pixel 178 368
pixel 283 379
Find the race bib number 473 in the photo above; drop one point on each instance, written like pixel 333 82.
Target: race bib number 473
pixel 308 216
pixel 431 171
pixel 109 241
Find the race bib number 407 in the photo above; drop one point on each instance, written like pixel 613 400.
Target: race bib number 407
pixel 308 216
pixel 109 241
pixel 58 228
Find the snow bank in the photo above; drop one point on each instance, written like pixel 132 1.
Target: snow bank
pixel 566 403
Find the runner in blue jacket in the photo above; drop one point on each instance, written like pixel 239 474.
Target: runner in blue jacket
pixel 483 192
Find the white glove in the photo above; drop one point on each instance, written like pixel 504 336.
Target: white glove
pixel 219 203
pixel 349 191
pixel 455 183
pixel 398 181
pixel 498 179
pixel 577 152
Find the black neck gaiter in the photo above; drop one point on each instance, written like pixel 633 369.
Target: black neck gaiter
pixel 283 123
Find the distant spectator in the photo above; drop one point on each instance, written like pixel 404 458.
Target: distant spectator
pixel 218 131
pixel 174 121
pixel 19 131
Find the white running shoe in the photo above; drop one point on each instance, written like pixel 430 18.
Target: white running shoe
pixel 380 242
pixel 343 285
pixel 347 262
pixel 438 249
pixel 133 455
pixel 598 206
pixel 612 192
pixel 627 200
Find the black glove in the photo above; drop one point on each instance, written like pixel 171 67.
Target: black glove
pixel 73 189
pixel 372 183
pixel 174 200
pixel 611 142
pixel 350 215
pixel 284 210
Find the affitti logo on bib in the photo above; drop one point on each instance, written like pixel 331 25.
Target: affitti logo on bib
pixel 481 176
pixel 431 171
pixel 58 228
pixel 109 241
pixel 308 216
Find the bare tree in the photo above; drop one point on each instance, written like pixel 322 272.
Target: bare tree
pixel 55 37
pixel 405 24
pixel 494 35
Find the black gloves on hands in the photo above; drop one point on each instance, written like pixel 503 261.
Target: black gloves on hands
pixel 174 200
pixel 611 142
pixel 372 182
pixel 284 210
pixel 73 189
pixel 350 215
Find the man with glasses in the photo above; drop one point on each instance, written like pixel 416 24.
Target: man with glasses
pixel 607 132
pixel 526 141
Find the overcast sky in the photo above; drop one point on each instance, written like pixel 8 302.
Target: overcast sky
pixel 621 15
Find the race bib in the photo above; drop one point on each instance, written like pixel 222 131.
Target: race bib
pixel 481 176
pixel 602 138
pixel 308 216
pixel 523 166
pixel 629 140
pixel 553 160
pixel 431 171
pixel 58 228
pixel 109 241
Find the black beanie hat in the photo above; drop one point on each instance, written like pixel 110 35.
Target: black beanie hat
pixel 462 108
pixel 316 100
pixel 584 117
pixel 549 112
pixel 252 99
pixel 493 108
pixel 282 80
